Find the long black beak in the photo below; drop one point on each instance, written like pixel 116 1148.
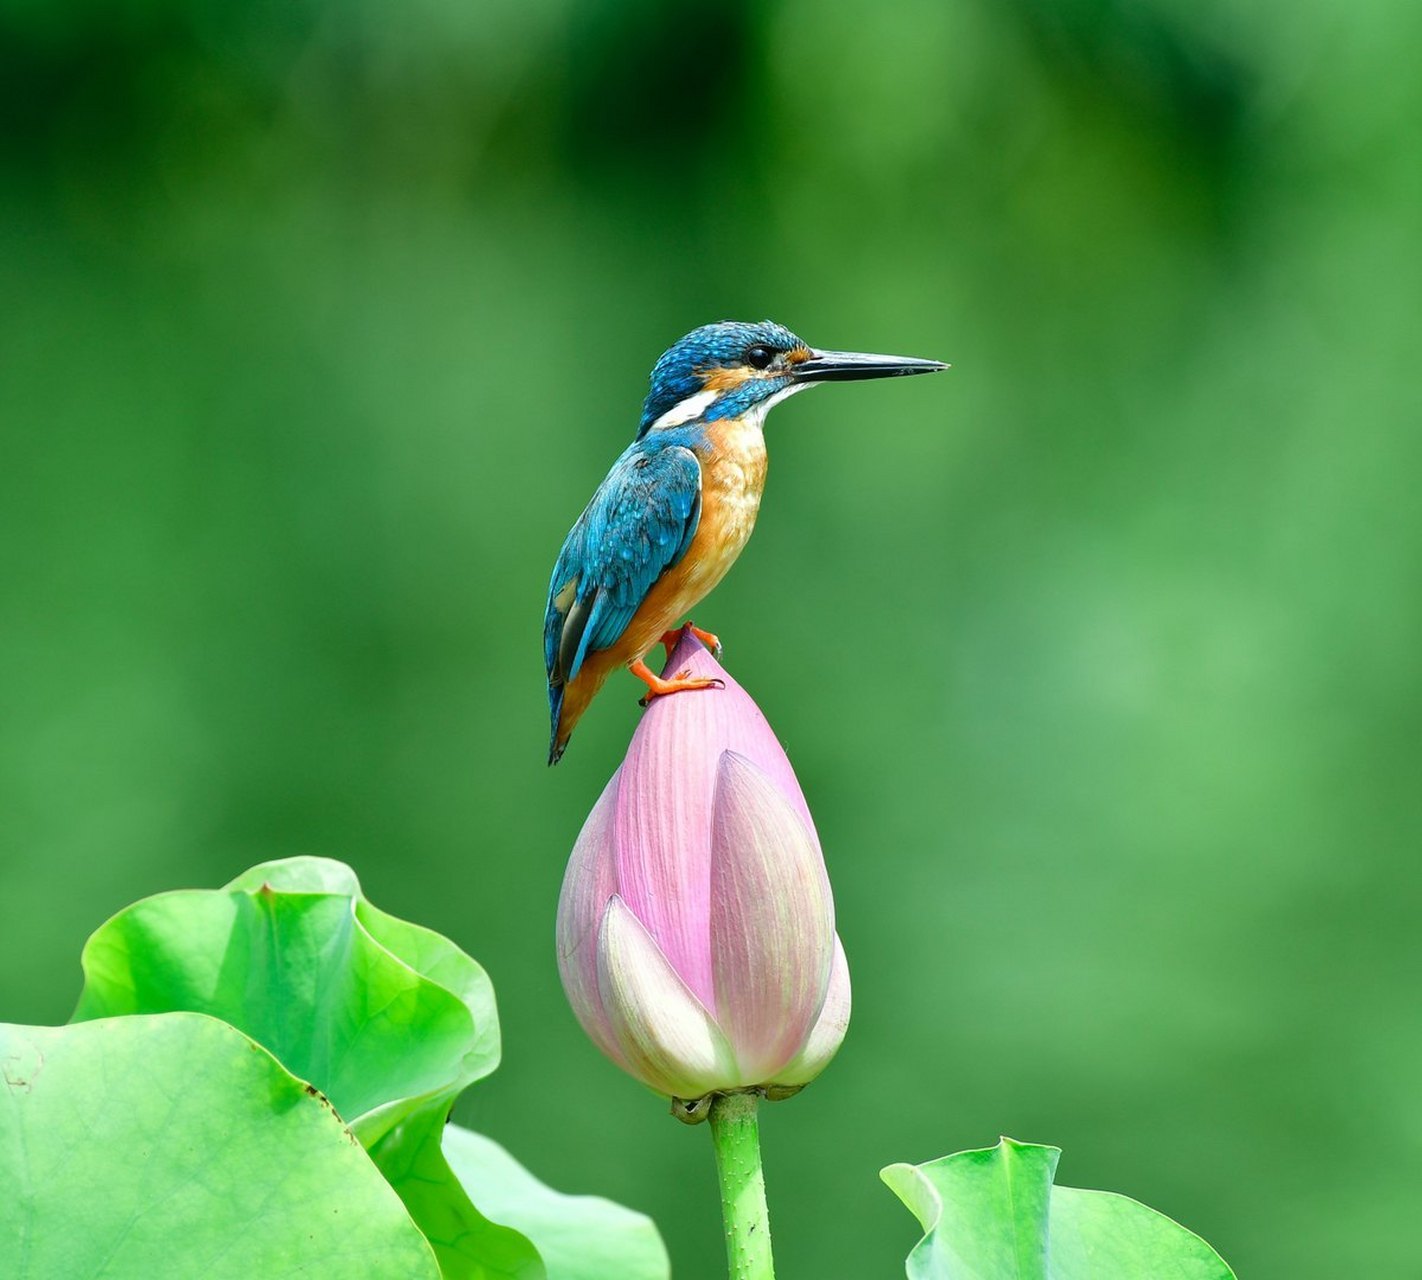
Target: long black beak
pixel 851 366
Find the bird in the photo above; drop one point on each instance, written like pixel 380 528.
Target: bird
pixel 677 506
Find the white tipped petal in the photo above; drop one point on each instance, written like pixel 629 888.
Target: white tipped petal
pixel 829 1028
pixel 664 1034
pixel 772 920
pixel 591 879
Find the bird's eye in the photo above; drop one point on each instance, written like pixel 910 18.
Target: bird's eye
pixel 759 357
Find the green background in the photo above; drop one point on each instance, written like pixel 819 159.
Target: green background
pixel 1097 657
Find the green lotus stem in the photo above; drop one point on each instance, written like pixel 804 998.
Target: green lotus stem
pixel 735 1134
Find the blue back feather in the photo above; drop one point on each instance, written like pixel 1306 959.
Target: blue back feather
pixel 639 523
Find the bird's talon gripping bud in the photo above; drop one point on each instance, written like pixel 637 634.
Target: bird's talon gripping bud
pixel 708 638
pixel 660 686
pixel 673 638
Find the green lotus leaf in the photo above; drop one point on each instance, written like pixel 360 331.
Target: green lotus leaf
pixel 995 1214
pixel 390 1021
pixel 172 1145
pixel 578 1237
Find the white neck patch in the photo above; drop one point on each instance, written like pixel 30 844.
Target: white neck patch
pixel 685 410
pixel 694 406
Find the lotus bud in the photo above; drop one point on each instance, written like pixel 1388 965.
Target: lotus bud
pixel 696 936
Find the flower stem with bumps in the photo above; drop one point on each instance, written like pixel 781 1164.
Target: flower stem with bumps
pixel 735 1134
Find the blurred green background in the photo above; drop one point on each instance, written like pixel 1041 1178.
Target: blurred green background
pixel 1098 657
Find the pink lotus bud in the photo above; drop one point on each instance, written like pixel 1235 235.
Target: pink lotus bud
pixel 696 927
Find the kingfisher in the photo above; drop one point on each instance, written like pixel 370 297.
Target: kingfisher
pixel 677 507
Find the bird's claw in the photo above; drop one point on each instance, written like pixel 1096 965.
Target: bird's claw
pixel 709 638
pixel 672 638
pixel 712 682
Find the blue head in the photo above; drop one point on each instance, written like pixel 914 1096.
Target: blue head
pixel 732 368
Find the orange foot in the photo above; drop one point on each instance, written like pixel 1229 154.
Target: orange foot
pixel 712 642
pixel 657 687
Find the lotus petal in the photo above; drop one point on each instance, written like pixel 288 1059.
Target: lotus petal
pixel 667 1038
pixel 772 920
pixel 829 1029
pixel 589 883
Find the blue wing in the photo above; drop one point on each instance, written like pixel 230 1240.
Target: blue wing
pixel 639 524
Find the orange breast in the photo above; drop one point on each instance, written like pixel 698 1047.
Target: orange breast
pixel 733 464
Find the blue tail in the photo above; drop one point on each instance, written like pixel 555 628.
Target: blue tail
pixel 555 706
